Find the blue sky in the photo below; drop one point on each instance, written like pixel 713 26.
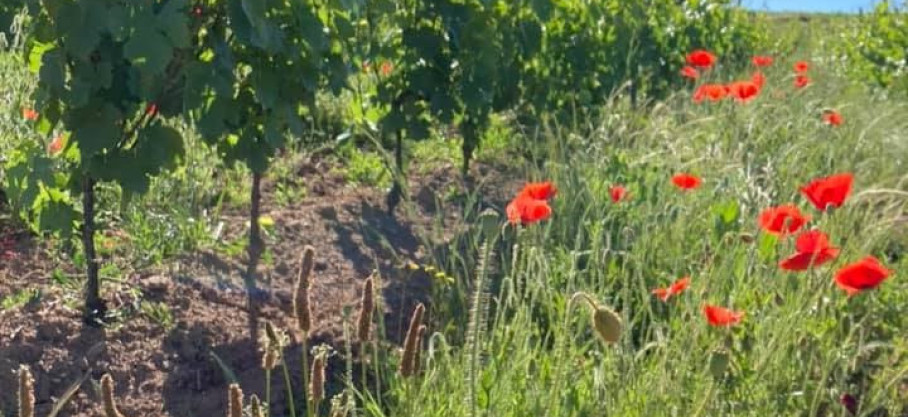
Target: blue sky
pixel 810 5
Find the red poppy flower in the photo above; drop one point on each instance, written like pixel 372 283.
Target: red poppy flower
pixel 29 114
pixel 801 81
pixel 801 67
pixel 539 190
pixel 701 58
pixel 677 288
pixel 56 145
pixel 386 68
pixel 525 210
pixel 686 181
pixel 829 191
pixel 690 72
pixel 718 316
pixel 813 249
pixel 832 118
pixel 743 91
pixel 862 275
pixel 712 92
pixel 197 11
pixel 762 61
pixel 151 110
pixel 618 193
pixel 758 78
pixel 782 220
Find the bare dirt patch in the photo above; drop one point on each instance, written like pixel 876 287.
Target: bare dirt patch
pixel 170 370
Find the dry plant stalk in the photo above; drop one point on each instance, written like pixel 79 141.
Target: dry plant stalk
pixel 367 306
pixel 417 360
pixel 26 393
pixel 107 396
pixel 235 401
pixel 302 307
pixel 407 363
pixel 317 378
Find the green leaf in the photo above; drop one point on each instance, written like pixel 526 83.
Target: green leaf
pixel 95 130
pixel 172 20
pixel 148 49
pixel 52 73
pixel 55 212
pixel 159 148
pixel 267 87
pixel 36 55
pixel 117 20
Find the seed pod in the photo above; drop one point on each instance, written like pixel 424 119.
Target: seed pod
pixel 407 364
pixel 367 305
pixel 607 324
pixel 718 363
pixel 301 302
pixel 26 393
pixel 107 395
pixel 317 378
pixel 235 401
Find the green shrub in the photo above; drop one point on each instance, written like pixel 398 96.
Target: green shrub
pixel 877 48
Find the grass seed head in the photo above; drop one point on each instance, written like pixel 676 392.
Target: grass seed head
pixel 107 395
pixel 302 307
pixel 317 377
pixel 411 343
pixel 367 305
pixel 235 401
pixel 417 358
pixel 26 393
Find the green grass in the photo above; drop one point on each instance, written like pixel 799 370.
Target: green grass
pixel 802 344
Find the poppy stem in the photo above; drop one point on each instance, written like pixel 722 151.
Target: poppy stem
pixel 559 375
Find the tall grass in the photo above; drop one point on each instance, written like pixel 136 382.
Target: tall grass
pixel 803 342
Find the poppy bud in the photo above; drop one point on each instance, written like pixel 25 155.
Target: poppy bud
pixel 718 363
pixel 490 223
pixel 746 238
pixel 607 324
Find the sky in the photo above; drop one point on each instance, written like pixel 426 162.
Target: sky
pixel 810 5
